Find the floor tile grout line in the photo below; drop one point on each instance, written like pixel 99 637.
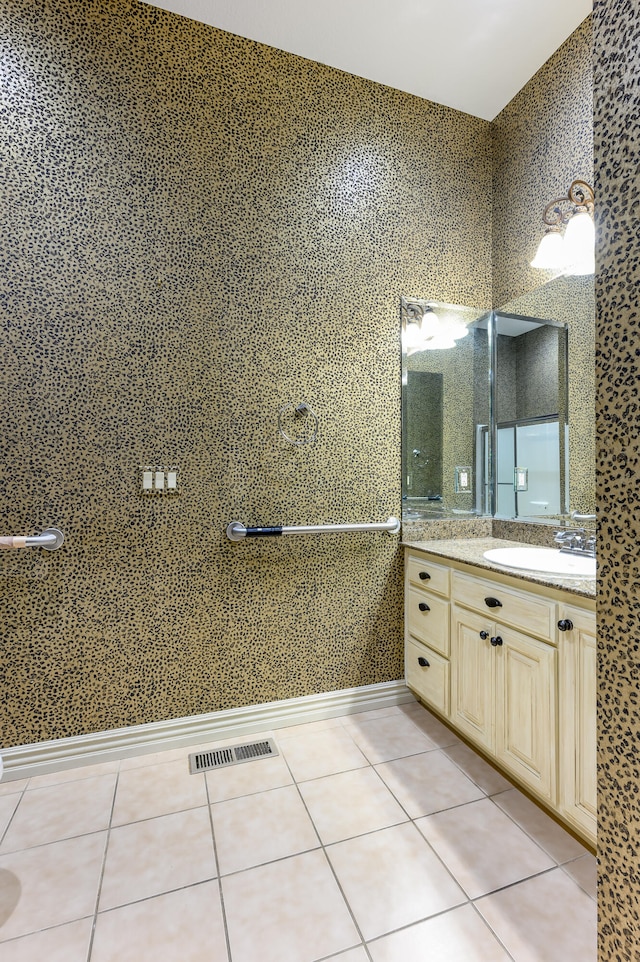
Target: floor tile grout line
pixel 336 956
pixel 150 818
pixel 529 834
pixel 426 814
pixel 328 860
pixel 56 925
pixel 10 822
pixel 520 881
pixel 411 754
pixel 438 915
pixel 51 841
pixel 593 897
pixel 398 714
pixel 492 796
pixel 492 891
pixel 47 928
pixel 103 867
pixel 492 930
pixel 217 866
pixel 70 838
pixel 149 898
pixel 459 765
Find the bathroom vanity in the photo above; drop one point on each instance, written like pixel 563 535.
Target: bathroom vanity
pixel 508 659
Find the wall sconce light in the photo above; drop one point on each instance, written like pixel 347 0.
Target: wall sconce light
pixel 424 330
pixel 573 252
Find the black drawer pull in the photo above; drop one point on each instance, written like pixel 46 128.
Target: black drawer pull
pixel 424 576
pixel 423 662
pixel 565 624
pixel 484 635
pixel 423 606
pixel 492 603
pixel 496 642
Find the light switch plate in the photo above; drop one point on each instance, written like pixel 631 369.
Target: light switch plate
pixel 463 480
pixel 521 479
pixel 156 479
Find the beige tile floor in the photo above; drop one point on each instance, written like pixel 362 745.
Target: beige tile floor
pixel 377 837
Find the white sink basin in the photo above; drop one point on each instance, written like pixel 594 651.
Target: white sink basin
pixel 549 560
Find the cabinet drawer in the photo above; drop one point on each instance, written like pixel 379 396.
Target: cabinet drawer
pixel 428 575
pixel 428 619
pixel 431 681
pixel 519 609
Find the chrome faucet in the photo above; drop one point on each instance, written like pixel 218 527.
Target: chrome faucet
pixel 575 541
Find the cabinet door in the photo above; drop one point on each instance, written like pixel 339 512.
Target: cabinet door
pixel 472 692
pixel 526 710
pixel 578 719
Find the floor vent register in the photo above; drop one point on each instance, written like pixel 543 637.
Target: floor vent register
pixel 231 755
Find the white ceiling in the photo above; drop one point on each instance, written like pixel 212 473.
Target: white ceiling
pixel 473 55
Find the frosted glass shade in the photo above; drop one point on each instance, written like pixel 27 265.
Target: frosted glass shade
pixel 579 244
pixel 433 333
pixel 550 255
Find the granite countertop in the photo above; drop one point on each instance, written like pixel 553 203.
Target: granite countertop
pixel 471 551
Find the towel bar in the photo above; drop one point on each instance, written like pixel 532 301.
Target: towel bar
pixel 50 539
pixel 236 531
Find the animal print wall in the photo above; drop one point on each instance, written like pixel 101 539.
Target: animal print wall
pixel 197 231
pixel 617 152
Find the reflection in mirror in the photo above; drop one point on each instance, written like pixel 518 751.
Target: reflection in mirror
pixel 497 407
pixel 445 373
pixel 528 429
pixel 570 301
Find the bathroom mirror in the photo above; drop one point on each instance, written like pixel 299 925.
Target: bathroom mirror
pixel 445 377
pixel 498 407
pixel 570 301
pixel 522 452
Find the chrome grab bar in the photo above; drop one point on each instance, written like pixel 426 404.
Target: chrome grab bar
pixel 582 517
pixel 50 539
pixel 236 531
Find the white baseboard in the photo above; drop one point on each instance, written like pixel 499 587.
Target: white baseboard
pixel 41 758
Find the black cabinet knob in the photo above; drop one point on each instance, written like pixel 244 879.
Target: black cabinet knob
pixel 423 606
pixel 484 635
pixel 497 641
pixel 423 662
pixel 424 576
pixel 565 624
pixel 492 603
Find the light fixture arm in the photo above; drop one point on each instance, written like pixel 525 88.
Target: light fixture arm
pixel 568 241
pixel 559 212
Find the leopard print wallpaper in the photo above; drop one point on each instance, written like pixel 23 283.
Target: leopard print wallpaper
pixel 617 152
pixel 199 230
pixel 542 141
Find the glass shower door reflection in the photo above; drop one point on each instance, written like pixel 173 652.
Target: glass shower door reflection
pixel 537 452
pixel 528 469
pixel 505 464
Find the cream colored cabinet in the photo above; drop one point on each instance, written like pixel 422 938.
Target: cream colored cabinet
pixel 511 666
pixel 472 677
pixel 427 632
pixel 526 711
pixel 503 696
pixel 577 728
